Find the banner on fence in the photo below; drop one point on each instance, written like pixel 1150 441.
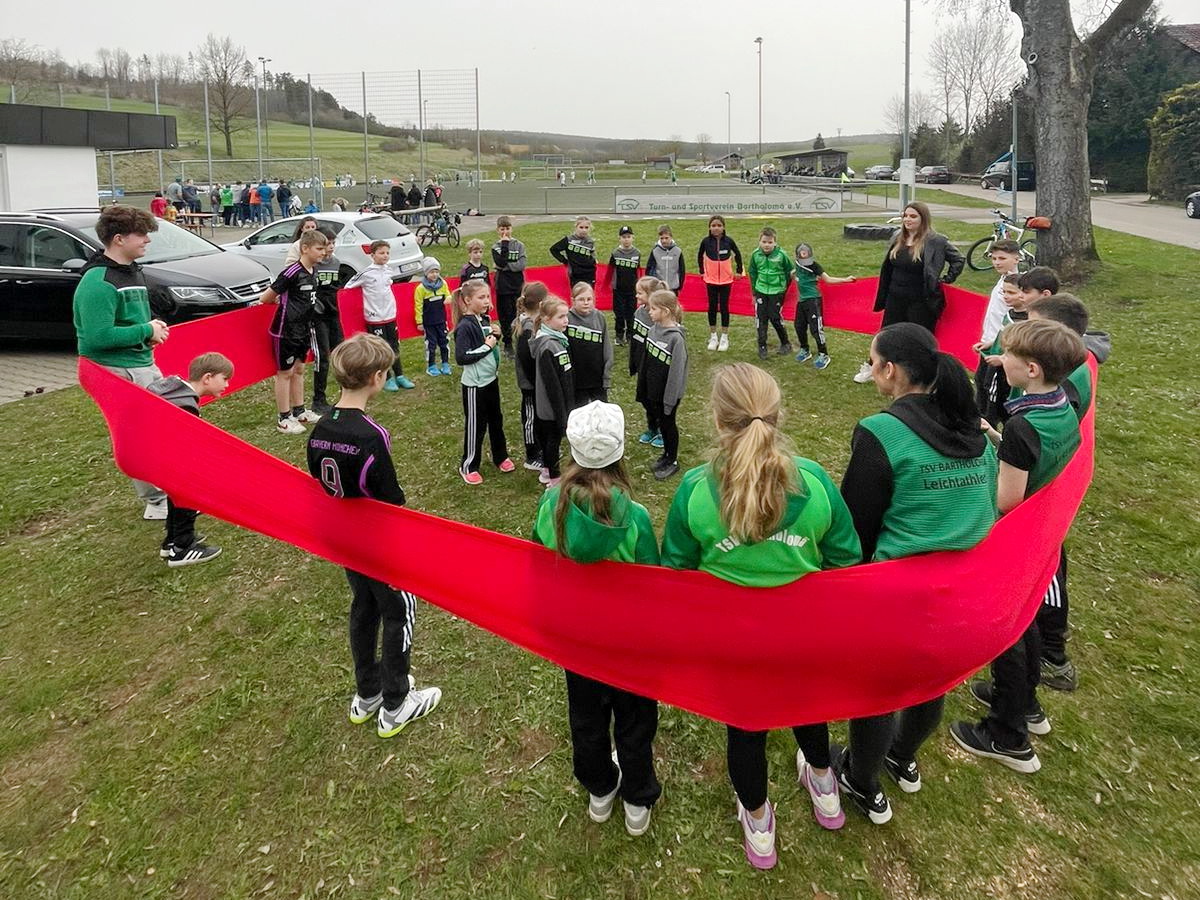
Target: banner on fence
pixel 706 204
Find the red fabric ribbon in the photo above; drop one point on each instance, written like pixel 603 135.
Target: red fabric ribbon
pixel 908 629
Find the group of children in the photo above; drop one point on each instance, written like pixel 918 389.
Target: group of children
pixel 1032 387
pixel 759 490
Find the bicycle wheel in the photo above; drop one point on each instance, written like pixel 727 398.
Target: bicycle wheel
pixel 426 235
pixel 1029 249
pixel 977 256
pixel 452 236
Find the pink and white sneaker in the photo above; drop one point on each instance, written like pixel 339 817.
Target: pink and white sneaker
pixel 759 845
pixel 827 807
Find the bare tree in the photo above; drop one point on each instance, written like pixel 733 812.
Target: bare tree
pixel 923 109
pixel 1061 68
pixel 122 64
pixel 19 64
pixel 104 55
pixel 702 141
pixel 223 64
pixel 974 61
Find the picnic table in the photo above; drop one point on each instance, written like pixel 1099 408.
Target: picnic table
pixel 195 222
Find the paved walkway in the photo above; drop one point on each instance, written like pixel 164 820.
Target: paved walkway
pixel 27 372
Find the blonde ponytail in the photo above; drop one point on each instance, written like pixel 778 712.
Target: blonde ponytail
pixel 754 468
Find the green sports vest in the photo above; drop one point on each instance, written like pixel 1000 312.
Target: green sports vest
pixel 1058 435
pixel 938 502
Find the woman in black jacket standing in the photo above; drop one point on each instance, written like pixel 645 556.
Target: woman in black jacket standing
pixel 911 279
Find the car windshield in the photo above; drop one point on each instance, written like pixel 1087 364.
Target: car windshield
pixel 381 228
pixel 170 242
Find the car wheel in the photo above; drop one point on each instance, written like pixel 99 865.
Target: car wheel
pixel 983 184
pixel 863 232
pixel 1192 209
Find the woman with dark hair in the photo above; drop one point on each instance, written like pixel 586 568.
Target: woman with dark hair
pixel 911 279
pixel 922 477
pixel 308 223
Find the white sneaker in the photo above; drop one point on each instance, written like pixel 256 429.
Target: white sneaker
pixel 637 819
pixel 309 417
pixel 416 705
pixel 289 426
pixel 600 808
pixel 863 375
pixel 712 341
pixel 362 708
pixel 724 343
pixel 155 512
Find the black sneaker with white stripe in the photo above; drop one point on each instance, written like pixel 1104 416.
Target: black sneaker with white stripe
pixel 976 740
pixel 904 772
pixel 1036 720
pixel 188 556
pixel 166 547
pixel 874 806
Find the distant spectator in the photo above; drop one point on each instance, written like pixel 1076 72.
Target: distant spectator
pixel 175 193
pixel 311 207
pixel 227 206
pixel 214 202
pixel 398 196
pixel 158 205
pixel 414 196
pixel 243 212
pixel 431 197
pixel 340 204
pixel 255 205
pixel 266 194
pixel 191 197
pixel 283 194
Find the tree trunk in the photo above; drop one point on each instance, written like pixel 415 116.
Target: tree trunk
pixel 1059 85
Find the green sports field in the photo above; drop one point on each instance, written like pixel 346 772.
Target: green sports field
pixel 182 733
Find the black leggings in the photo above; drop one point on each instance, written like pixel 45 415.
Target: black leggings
pixel 746 755
pixel 920 311
pixel 898 735
pixel 549 437
pixel 718 298
pixel 666 427
pixel 387 331
pixel 482 412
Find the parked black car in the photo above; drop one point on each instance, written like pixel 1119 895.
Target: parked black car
pixel 42 253
pixel 1192 205
pixel 999 175
pixel 934 175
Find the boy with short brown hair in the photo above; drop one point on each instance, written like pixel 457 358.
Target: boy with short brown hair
pixel 208 376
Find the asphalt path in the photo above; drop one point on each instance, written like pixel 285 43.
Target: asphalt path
pixel 1128 213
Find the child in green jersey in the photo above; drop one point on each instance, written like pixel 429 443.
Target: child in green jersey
pixel 587 517
pixel 770 274
pixel 1040 437
pixel 809 312
pixel 1058 671
pixel 759 516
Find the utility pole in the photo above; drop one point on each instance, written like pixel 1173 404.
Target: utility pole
pixel 758 41
pixel 905 190
pixel 265 118
pixel 728 127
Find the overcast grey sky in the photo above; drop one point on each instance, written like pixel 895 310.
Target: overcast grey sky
pixel 610 69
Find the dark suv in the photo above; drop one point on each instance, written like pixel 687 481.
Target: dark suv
pixel 42 253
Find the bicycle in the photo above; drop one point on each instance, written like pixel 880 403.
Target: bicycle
pixel 1004 228
pixel 375 204
pixel 443 227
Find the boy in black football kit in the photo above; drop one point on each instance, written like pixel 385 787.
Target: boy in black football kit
pixel 295 292
pixel 350 454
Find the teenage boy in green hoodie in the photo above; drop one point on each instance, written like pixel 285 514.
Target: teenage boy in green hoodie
pixel 112 314
pixel 770 273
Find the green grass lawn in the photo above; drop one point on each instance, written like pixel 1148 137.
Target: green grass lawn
pixel 172 733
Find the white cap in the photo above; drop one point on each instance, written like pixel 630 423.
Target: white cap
pixel 596 433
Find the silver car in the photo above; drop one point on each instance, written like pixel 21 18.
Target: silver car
pixel 354 235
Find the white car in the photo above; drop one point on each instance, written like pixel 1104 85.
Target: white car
pixel 355 232
pixel 714 169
